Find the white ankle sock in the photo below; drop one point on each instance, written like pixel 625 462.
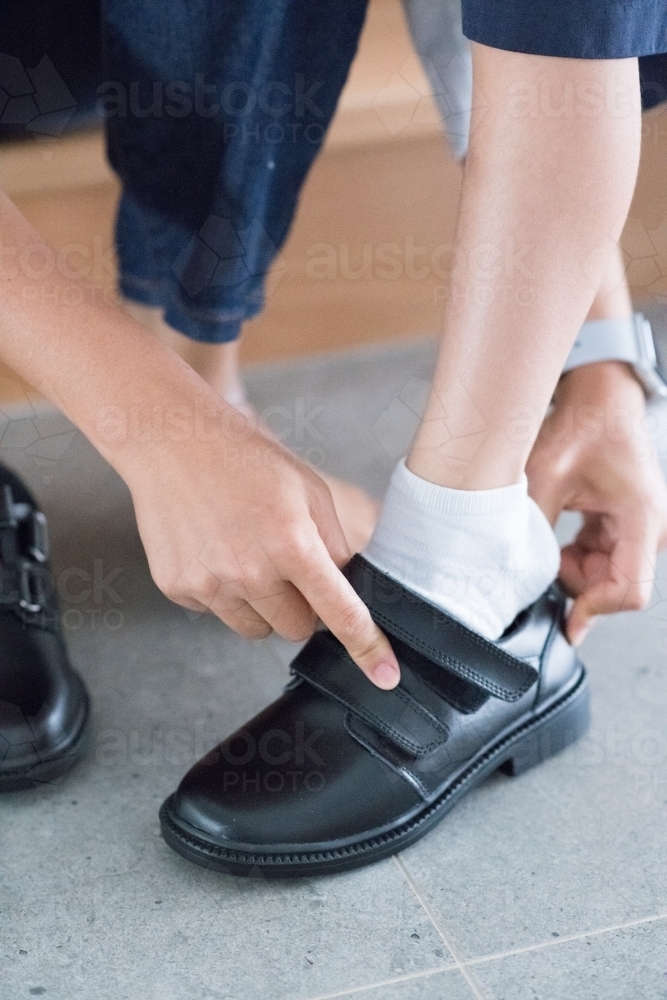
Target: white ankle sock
pixel 480 555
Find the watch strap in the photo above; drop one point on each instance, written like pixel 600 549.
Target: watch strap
pixel 629 340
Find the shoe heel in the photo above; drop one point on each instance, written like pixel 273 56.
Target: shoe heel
pixel 556 732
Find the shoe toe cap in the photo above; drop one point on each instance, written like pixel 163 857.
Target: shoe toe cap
pixel 292 777
pixel 43 703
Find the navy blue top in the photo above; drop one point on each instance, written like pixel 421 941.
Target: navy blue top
pixel 580 29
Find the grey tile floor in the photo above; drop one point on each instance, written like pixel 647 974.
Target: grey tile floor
pixel 549 886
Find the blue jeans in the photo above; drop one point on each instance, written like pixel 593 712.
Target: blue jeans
pixel 216 109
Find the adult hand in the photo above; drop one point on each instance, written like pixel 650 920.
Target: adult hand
pixel 234 523
pixel 594 456
pixel 230 520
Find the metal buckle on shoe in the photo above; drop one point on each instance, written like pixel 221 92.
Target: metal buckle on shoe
pixel 24 549
pixel 39 536
pixel 31 587
pixel 35 535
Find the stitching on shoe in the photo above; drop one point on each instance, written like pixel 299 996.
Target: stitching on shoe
pixel 397 768
pixel 438 679
pixel 479 640
pixel 420 749
pixel 509 694
pixel 363 847
pixel 457 625
pixel 449 699
pixel 403 771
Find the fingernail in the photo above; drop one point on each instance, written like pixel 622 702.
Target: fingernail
pixel 386 676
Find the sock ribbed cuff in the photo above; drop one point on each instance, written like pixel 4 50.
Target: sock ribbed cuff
pixel 480 555
pixel 435 499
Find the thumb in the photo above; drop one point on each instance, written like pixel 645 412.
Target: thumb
pixel 583 614
pixel 604 598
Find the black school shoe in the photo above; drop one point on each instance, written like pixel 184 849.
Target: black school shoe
pixel 43 703
pixel 337 774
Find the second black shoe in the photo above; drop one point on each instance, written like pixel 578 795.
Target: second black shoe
pixel 337 774
pixel 43 703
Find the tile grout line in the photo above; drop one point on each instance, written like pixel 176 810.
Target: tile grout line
pixel 496 956
pixel 461 963
pixel 408 977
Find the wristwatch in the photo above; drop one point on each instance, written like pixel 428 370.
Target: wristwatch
pixel 629 340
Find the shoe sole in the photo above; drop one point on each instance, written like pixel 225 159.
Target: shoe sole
pixel 527 745
pixel 48 770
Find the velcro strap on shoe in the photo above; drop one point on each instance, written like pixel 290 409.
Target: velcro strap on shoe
pixel 325 664
pixel 443 639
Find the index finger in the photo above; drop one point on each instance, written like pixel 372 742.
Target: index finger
pixel 337 604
